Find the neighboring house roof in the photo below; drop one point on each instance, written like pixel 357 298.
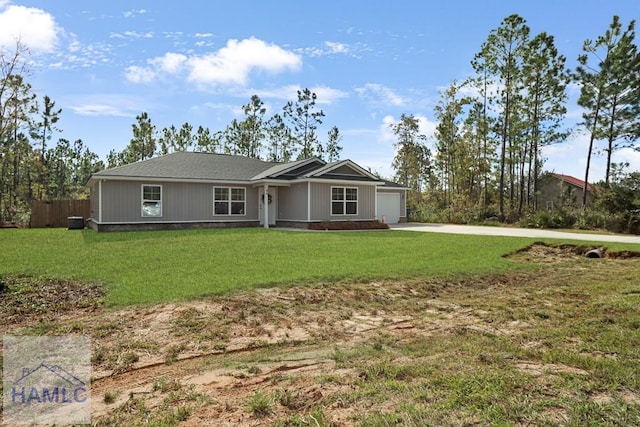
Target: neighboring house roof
pixel 224 167
pixel 573 181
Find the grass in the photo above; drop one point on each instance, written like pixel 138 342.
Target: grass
pixel 529 340
pixel 161 266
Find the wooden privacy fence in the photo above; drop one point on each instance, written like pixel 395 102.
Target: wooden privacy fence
pixel 55 213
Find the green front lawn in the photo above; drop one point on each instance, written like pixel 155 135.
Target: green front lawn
pixel 161 266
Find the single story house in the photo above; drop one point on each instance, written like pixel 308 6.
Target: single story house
pixel 191 189
pixel 556 191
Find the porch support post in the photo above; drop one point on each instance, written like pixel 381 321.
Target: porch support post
pixel 265 205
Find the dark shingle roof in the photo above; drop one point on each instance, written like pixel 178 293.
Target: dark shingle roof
pixel 391 184
pixel 190 165
pixel 185 165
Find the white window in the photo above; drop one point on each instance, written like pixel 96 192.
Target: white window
pixel 229 201
pixel 151 200
pixel 344 201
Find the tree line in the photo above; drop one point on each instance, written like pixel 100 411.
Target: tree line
pixel 32 166
pixel 292 134
pixel 485 158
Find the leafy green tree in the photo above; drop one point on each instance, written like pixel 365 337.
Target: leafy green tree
pixel 253 126
pixel 236 140
pixel 304 120
pixel 501 58
pixel 143 144
pixel 16 107
pixel 609 91
pixel 46 126
pixel 620 200
pixel 186 138
pixel 205 141
pixel 412 162
pixel 333 148
pixel 453 158
pixel 545 79
pixel 482 123
pixel 43 131
pixel 183 139
pixel 279 140
pixel 167 140
pixel 59 159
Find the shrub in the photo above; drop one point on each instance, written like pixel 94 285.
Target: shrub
pixel 260 404
pixel 348 225
pixel 550 219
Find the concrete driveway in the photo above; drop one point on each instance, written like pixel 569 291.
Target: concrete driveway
pixel 513 232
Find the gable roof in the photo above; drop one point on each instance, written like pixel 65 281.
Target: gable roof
pixel 196 166
pixel 572 180
pixel 283 169
pixel 191 165
pixel 335 166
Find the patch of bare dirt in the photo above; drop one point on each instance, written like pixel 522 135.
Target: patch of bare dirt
pixel 26 300
pixel 542 252
pixel 215 355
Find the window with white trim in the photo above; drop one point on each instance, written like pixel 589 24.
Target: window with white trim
pixel 229 201
pixel 344 201
pixel 151 200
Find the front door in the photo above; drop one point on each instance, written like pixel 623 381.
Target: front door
pixel 273 201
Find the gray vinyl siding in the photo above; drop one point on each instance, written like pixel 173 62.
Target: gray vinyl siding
pixel 321 202
pixel 181 202
pixel 94 202
pixel 292 202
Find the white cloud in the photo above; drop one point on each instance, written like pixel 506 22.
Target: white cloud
pixel 33 27
pixel 233 63
pixel 136 74
pixel 98 110
pixel 379 94
pixel 334 48
pixel 132 13
pixel 327 95
pixel 385 132
pixel 328 48
pixel 131 35
pixel 203 35
pixel 170 63
pixel 113 105
pixel 230 65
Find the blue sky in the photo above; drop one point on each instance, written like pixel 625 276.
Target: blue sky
pixel 199 61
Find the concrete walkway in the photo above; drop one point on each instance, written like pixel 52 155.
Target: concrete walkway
pixel 513 232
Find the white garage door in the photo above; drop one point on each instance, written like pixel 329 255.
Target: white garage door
pixel 389 207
